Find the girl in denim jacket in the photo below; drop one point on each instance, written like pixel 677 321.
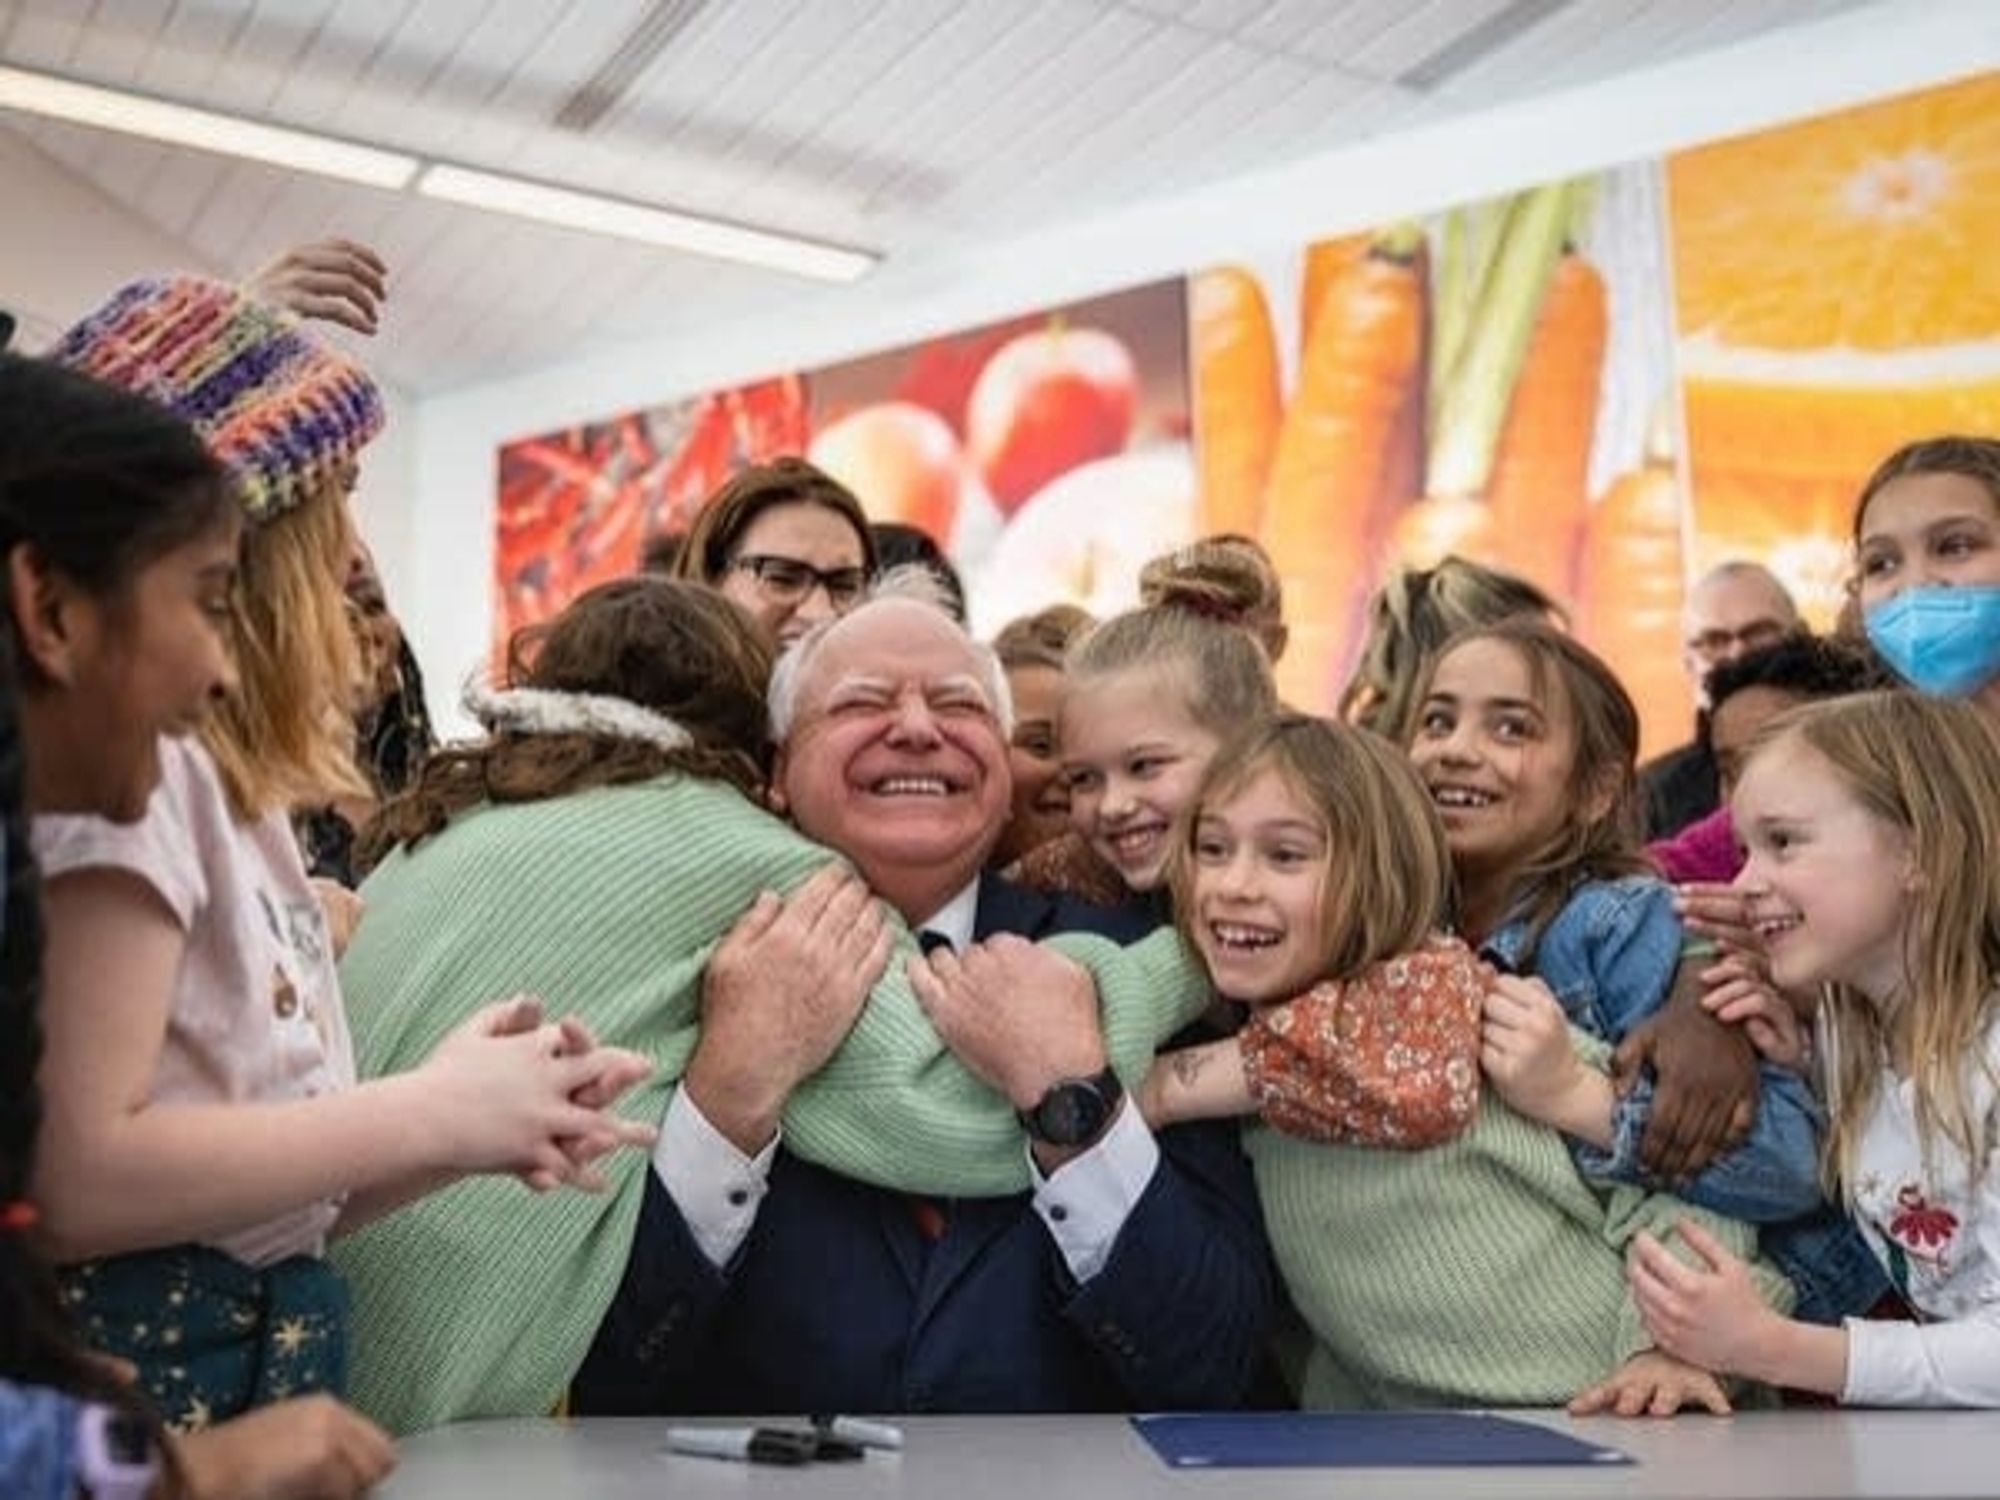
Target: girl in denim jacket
pixel 1528 745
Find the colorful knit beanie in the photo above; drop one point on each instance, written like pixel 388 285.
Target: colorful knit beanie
pixel 282 411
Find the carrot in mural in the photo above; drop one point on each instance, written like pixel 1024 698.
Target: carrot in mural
pixel 1237 401
pixel 1360 363
pixel 1484 332
pixel 1632 590
pixel 1325 262
pixel 1539 489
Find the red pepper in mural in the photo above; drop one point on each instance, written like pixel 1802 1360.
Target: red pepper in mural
pixel 576 506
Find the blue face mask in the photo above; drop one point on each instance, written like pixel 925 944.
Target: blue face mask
pixel 1944 642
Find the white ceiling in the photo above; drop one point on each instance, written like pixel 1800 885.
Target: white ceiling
pixel 904 126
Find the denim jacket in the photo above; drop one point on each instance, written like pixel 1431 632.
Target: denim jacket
pixel 1610 956
pixel 37 1443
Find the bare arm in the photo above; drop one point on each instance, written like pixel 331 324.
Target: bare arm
pixel 119 1173
pixel 1197 1083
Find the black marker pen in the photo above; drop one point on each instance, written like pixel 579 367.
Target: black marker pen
pixel 745 1445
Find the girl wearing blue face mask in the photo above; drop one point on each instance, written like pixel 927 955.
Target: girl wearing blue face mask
pixel 1927 543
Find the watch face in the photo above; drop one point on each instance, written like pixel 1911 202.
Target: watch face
pixel 1071 1113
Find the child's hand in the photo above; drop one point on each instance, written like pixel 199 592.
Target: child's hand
pixel 1721 913
pixel 1742 996
pixel 1524 1046
pixel 620 1069
pixel 309 1448
pixel 498 1091
pixel 1652 1384
pixel 1708 1314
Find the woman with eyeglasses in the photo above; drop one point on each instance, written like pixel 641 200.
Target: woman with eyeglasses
pixel 786 541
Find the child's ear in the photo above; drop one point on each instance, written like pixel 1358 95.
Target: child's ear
pixel 41 600
pixel 1601 797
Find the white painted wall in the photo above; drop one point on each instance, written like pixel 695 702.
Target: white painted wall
pixel 65 245
pixel 442 564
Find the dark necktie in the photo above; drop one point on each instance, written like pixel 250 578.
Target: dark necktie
pixel 928 1212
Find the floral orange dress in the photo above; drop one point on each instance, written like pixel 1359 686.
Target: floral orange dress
pixel 1387 1058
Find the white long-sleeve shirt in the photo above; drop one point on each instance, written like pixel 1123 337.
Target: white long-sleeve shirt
pixel 1938 1232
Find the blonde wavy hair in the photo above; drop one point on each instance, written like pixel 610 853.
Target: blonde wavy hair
pixel 285 739
pixel 1930 769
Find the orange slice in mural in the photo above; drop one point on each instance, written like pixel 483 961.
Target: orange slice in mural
pixel 1838 295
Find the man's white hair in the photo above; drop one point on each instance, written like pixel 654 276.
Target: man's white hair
pixel 915 584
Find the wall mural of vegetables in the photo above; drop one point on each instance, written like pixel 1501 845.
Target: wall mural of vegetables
pixel 576 506
pixel 1539 381
pixel 1480 383
pixel 1048 453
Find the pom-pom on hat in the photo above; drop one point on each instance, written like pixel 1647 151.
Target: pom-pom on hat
pixel 281 411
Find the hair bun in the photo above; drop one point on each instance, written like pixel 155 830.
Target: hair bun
pixel 1225 578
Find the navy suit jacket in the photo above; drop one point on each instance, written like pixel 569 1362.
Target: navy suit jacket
pixel 837 1301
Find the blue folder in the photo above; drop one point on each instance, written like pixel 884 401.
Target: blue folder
pixel 1362 1440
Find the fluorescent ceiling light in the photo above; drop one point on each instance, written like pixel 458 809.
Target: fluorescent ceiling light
pixel 135 114
pixel 328 156
pixel 636 221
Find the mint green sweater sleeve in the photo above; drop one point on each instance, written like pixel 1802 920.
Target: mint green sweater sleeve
pixel 481 1301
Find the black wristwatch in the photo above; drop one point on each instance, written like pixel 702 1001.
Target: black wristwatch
pixel 1075 1111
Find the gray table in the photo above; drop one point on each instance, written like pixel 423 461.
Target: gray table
pixel 1756 1456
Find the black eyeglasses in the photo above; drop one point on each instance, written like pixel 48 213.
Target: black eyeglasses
pixel 786 580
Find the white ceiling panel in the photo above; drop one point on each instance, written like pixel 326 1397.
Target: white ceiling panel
pixel 908 126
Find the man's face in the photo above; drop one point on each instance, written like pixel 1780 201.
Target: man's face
pixel 1731 616
pixel 895 757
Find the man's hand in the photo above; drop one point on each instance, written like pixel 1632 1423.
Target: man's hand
pixel 336 281
pixel 1018 1016
pixel 1704 1082
pixel 780 994
pixel 1652 1384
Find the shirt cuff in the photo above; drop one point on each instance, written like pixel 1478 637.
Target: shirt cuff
pixel 715 1186
pixel 1087 1201
pixel 1630 1113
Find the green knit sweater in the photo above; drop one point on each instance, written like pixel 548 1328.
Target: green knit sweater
pixel 481 1301
pixel 1484 1272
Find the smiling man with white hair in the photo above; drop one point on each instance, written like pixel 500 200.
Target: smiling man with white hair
pixel 1133 1276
